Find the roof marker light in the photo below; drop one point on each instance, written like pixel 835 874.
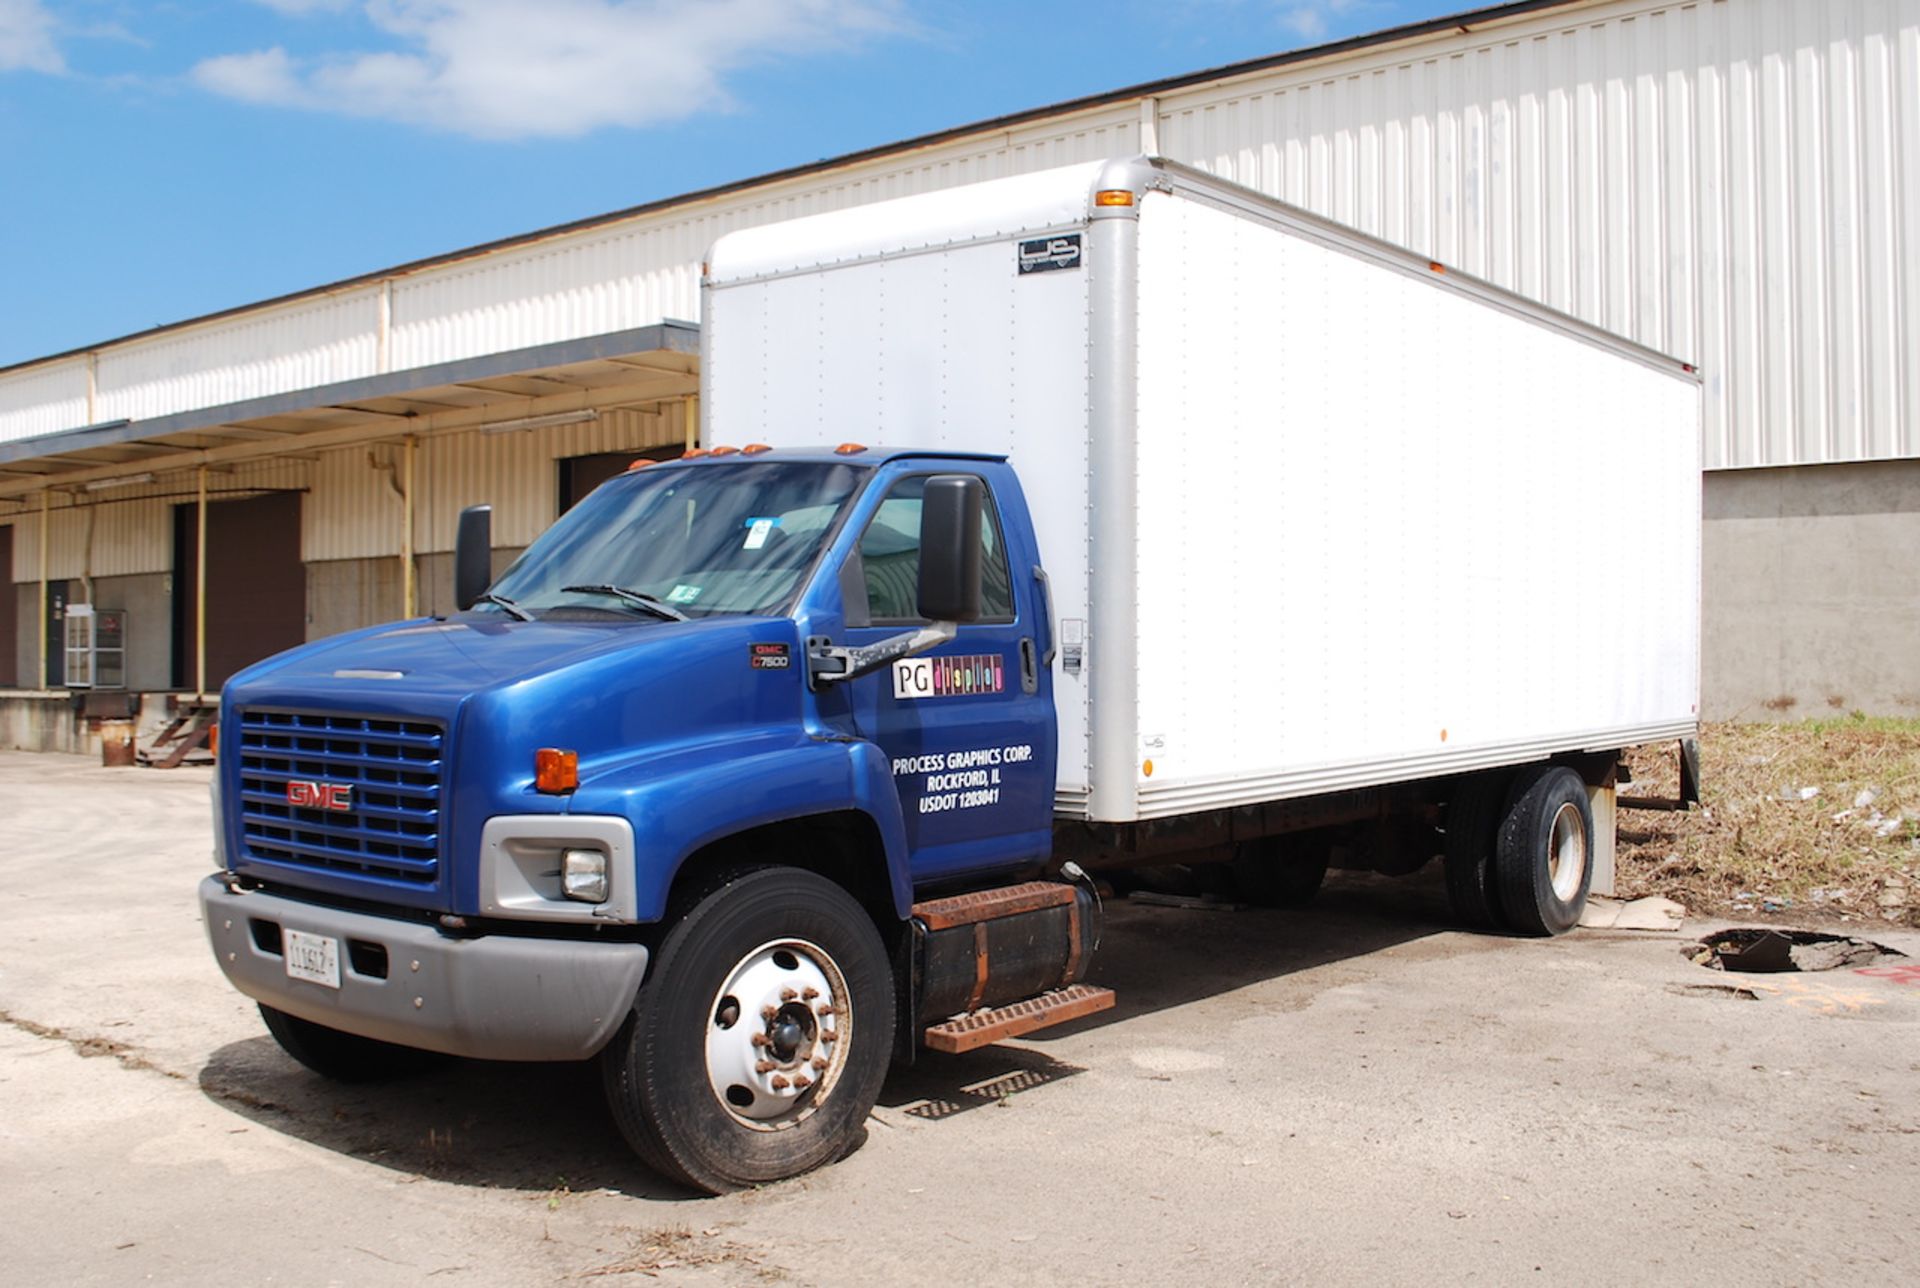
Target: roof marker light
pixel 640 463
pixel 721 450
pixel 849 449
pixel 1113 197
pixel 693 452
pixel 1436 266
pixel 754 449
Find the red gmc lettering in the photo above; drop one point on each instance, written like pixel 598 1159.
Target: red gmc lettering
pixel 329 796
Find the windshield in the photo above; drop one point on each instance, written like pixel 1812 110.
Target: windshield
pixel 733 538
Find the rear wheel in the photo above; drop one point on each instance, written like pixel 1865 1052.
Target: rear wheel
pixel 1544 856
pixel 1473 824
pixel 344 1057
pixel 758 1047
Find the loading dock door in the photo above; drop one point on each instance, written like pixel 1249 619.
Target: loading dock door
pixel 9 614
pixel 256 584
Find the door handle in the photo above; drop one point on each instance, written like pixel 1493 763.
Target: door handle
pixel 1029 671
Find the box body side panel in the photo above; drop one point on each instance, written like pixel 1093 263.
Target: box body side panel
pixel 1381 524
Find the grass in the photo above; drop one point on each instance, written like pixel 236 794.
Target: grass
pixel 1819 819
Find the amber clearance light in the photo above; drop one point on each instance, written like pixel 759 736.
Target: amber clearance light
pixel 555 772
pixel 1113 197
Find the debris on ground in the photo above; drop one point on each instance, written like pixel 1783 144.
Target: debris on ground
pixel 1651 913
pixel 1821 816
pixel 1765 950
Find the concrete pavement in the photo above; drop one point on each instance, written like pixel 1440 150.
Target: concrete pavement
pixel 1348 1094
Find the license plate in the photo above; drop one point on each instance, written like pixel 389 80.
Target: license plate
pixel 314 958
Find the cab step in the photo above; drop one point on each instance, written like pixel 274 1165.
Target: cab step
pixel 982 1028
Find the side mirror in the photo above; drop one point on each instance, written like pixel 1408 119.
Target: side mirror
pixel 473 556
pixel 950 548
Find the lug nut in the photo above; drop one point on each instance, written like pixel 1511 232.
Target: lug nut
pixel 819 1064
pixel 768 1012
pixel 779 1082
pixel 801 1082
pixel 759 1039
pixel 787 995
pixel 808 994
pixel 823 1011
pixel 829 1035
pixel 764 1066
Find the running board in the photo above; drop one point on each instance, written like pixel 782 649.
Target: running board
pixel 981 1028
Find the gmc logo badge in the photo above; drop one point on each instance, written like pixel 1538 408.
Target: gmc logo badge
pixel 333 796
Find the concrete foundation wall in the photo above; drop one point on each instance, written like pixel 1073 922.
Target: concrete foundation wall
pixel 1812 591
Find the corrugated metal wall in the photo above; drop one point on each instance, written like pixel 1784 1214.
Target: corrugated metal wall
pixel 123 531
pixel 1733 181
pixel 604 279
pixel 355 512
pixel 1737 181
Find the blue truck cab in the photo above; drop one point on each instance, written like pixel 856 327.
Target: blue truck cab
pixel 731 780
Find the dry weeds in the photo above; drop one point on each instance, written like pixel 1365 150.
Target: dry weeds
pixel 1819 818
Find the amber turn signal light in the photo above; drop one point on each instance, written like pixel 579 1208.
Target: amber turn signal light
pixel 555 771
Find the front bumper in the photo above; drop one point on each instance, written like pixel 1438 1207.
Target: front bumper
pixel 493 997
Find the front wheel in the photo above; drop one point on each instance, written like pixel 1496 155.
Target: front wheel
pixel 758 1047
pixel 344 1057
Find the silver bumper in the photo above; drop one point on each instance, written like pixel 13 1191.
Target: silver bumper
pixel 495 997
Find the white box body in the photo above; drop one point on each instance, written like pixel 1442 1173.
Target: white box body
pixel 1324 515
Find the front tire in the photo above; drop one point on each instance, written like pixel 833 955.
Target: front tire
pixel 344 1057
pixel 1544 857
pixel 758 1047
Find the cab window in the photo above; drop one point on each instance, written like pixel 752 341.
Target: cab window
pixel 890 559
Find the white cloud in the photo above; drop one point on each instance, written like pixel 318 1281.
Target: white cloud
pixel 26 38
pixel 1310 19
pixel 503 69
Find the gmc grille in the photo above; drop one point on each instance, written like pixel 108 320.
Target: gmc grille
pixel 391 828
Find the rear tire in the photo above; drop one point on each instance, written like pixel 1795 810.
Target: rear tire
pixel 1473 823
pixel 344 1057
pixel 1544 856
pixel 705 1077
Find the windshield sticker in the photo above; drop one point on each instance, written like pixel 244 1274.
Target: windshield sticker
pixel 683 594
pixel 949 677
pixel 758 530
pixel 769 657
pixel 956 780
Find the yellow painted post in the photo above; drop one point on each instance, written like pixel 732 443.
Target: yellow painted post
pixel 409 593
pixel 200 598
pixel 691 406
pixel 45 495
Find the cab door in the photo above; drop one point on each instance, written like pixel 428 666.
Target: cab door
pixel 969 726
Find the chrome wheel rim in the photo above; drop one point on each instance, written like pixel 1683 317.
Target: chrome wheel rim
pixel 1567 853
pixel 777 1034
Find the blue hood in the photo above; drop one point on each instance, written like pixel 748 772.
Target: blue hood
pixel 614 692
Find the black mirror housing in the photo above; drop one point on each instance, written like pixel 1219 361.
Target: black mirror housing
pixel 950 510
pixel 473 556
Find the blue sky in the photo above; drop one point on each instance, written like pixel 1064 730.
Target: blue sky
pixel 168 158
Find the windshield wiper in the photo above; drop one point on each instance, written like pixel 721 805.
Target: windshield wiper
pixel 639 599
pixel 519 614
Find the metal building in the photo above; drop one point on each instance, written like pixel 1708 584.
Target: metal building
pixel 1733 181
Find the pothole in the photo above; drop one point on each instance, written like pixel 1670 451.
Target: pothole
pixel 1765 951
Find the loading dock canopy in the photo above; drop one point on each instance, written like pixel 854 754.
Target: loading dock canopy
pixel 548 384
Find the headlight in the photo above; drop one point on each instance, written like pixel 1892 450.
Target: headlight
pixel 583 875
